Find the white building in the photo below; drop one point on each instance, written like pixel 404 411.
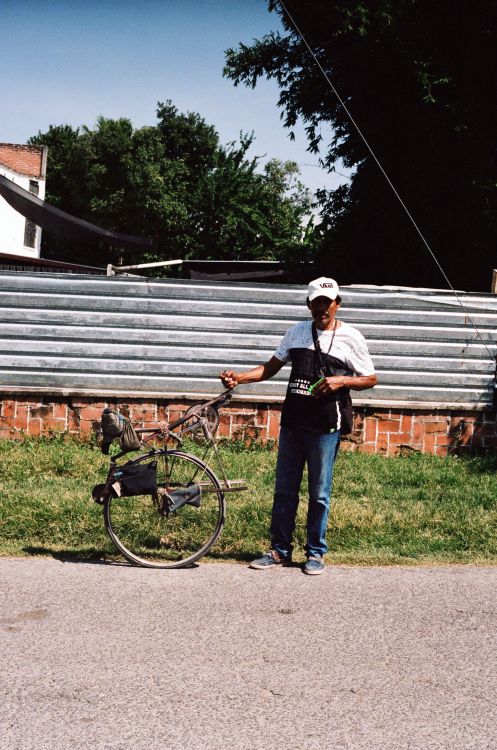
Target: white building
pixel 26 166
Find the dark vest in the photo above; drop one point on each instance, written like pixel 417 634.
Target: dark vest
pixel 303 411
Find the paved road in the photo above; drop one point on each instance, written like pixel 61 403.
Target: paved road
pixel 222 657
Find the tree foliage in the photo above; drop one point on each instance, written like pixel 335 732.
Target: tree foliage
pixel 175 183
pixel 419 79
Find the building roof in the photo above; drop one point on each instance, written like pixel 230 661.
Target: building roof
pixel 30 161
pixel 11 262
pixel 54 220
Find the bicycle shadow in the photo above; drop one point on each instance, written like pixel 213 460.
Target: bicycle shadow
pixel 89 557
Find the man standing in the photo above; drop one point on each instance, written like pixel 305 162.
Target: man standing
pixel 329 358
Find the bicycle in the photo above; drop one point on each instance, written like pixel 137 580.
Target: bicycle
pixel 182 513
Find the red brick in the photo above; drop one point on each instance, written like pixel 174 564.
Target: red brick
pixel 382 443
pixel 60 411
pixel 174 414
pixel 370 431
pixel 42 411
pixel 9 409
pixel 434 427
pixel 366 448
pixel 443 438
pixel 180 406
pixel 81 403
pixel 52 425
pixel 418 431
pixel 274 427
pixel 388 425
pixel 162 413
pixel 144 413
pixel 90 413
pixel 85 427
pixel 262 416
pixel 402 438
pixel 21 420
pixel 430 416
pixel 224 425
pixel 6 434
pixel 243 419
pixel 384 431
pixel 429 444
pixel 72 421
pixel 147 420
pixel 406 422
pixel 24 159
pixel 34 427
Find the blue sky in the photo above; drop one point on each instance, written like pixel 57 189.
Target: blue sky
pixel 68 61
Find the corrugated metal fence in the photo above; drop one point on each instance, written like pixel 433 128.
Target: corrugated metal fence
pixel 136 337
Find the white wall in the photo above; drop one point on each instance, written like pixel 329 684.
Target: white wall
pixel 12 223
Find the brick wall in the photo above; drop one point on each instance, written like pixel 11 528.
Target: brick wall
pixel 26 160
pixel 384 431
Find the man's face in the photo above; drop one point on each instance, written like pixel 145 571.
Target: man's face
pixel 323 311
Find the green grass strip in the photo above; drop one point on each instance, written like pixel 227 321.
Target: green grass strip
pixel 408 510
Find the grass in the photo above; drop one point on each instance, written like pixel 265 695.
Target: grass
pixel 408 510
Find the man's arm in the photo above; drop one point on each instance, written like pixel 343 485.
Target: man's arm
pixel 335 382
pixel 231 379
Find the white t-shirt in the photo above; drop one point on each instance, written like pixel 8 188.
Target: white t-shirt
pixel 349 345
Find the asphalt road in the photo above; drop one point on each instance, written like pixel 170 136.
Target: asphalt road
pixel 222 657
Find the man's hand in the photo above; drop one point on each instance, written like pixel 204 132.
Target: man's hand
pixel 229 378
pixel 333 383
pixel 330 385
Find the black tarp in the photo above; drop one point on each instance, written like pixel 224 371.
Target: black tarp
pixel 235 270
pixel 54 220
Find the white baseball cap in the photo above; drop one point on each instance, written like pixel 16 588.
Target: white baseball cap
pixel 322 287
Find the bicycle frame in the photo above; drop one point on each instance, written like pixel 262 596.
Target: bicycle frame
pixel 197 415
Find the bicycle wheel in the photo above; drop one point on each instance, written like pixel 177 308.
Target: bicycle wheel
pixel 149 531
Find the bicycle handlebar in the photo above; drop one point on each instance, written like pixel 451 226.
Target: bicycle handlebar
pixel 221 400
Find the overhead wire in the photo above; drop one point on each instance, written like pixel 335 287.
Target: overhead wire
pixel 387 178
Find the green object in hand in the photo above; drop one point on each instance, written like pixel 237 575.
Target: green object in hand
pixel 314 385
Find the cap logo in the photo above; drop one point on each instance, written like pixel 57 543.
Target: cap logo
pixel 326 286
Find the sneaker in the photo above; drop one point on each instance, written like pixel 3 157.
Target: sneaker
pixel 314 566
pixel 268 560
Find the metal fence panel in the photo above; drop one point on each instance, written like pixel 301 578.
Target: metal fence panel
pixel 128 336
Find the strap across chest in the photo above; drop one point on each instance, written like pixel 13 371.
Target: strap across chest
pixel 322 365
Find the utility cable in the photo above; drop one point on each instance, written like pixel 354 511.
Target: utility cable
pixel 387 178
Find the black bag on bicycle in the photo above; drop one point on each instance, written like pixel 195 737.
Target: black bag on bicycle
pixel 136 479
pixel 129 440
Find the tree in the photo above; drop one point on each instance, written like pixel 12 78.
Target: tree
pixel 420 80
pixel 173 182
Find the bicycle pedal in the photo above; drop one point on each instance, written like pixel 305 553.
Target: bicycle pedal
pixel 97 493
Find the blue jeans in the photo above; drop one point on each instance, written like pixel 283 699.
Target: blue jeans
pixel 319 451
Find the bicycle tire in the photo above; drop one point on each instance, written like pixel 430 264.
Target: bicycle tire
pixel 150 538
